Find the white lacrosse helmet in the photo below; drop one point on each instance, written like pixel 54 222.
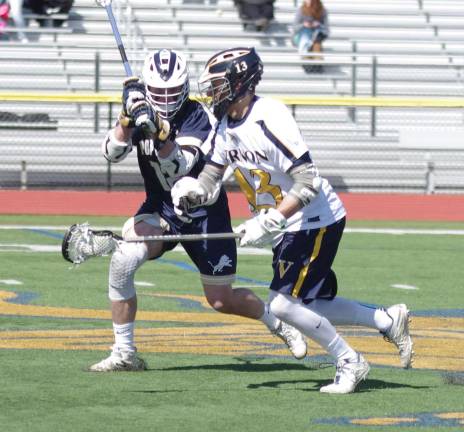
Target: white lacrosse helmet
pixel 166 79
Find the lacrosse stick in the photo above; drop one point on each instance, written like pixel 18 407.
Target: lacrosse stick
pixel 165 127
pixel 109 11
pixel 81 243
pixel 185 237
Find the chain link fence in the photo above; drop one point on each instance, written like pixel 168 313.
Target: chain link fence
pixel 376 144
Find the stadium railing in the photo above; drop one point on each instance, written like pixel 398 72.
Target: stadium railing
pixel 71 158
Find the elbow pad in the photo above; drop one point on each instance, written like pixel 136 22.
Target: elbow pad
pixel 307 183
pixel 179 162
pixel 114 150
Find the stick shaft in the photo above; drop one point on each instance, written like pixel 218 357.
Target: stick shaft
pixel 117 36
pixel 185 237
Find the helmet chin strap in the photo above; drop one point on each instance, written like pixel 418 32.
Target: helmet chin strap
pixel 238 109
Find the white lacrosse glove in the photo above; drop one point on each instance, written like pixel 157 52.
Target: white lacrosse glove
pixel 261 229
pixel 187 194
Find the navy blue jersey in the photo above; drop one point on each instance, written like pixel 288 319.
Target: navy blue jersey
pixel 213 258
pixel 191 121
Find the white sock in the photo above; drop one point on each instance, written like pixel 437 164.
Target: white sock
pixel 311 324
pixel 269 319
pixel 343 311
pixel 124 336
pixel 340 350
pixel 383 321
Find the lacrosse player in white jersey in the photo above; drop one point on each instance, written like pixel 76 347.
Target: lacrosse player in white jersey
pixel 162 97
pixel 295 209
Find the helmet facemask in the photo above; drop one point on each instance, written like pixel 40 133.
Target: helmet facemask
pixel 167 101
pixel 217 95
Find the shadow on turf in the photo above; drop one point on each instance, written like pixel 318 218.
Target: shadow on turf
pixel 245 367
pixel 365 386
pixel 310 385
pixel 253 365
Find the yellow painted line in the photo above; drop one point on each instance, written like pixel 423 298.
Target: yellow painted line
pixel 60 97
pixel 439 341
pixel 376 101
pixel 67 312
pixel 383 421
pixel 451 415
pixel 352 101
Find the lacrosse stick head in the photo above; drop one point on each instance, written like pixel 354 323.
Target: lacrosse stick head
pixel 81 243
pixel 103 3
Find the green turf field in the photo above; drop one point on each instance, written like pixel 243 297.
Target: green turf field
pixel 212 372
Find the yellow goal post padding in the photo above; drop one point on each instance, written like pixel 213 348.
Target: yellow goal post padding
pixel 355 101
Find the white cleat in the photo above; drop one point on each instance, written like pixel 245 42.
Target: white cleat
pixel 349 374
pixel 293 339
pixel 398 333
pixel 120 361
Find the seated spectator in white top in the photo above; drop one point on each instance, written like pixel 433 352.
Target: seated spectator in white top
pixel 16 14
pixel 310 28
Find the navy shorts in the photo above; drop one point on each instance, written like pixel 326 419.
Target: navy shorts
pixel 303 261
pixel 211 257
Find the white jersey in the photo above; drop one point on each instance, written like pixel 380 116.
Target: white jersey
pixel 261 148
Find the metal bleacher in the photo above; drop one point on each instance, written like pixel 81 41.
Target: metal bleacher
pixel 395 48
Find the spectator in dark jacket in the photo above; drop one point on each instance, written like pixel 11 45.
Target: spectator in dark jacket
pixel 255 14
pixel 50 7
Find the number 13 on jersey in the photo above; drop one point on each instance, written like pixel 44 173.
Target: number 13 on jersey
pixel 265 187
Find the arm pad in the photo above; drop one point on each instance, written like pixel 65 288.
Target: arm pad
pixel 307 182
pixel 179 162
pixel 114 150
pixel 211 180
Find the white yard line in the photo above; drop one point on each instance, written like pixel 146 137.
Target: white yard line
pixel 404 286
pixel 392 231
pixel 10 282
pixel 54 227
pixel 20 247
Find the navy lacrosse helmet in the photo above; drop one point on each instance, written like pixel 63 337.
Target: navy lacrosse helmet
pixel 228 76
pixel 166 77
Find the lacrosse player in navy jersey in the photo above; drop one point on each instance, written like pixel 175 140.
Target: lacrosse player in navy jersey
pixel 296 210
pixel 168 131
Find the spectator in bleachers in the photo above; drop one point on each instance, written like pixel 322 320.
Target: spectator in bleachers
pixel 255 14
pixel 50 7
pixel 310 28
pixel 16 14
pixel 4 15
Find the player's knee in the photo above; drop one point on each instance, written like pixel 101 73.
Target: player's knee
pixel 127 258
pixel 221 302
pixel 282 306
pixel 219 305
pixel 146 225
pixel 141 223
pixel 220 297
